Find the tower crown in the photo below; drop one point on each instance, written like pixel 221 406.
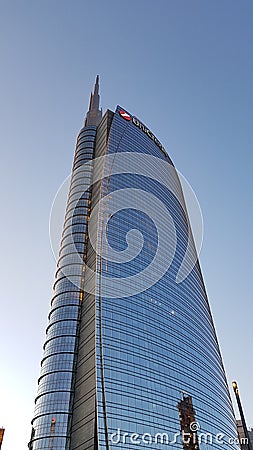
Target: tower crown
pixel 94 114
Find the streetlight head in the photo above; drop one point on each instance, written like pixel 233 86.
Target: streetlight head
pixel 234 384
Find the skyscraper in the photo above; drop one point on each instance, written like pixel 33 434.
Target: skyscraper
pixel 130 326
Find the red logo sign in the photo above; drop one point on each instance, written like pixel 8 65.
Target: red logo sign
pixel 125 115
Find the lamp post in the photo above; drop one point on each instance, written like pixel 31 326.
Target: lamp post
pixel 246 434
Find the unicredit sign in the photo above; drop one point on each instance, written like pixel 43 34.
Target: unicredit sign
pixel 142 127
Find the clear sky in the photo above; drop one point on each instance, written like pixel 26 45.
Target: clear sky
pixel 185 68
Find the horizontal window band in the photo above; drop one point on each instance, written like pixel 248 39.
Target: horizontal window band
pixel 50 414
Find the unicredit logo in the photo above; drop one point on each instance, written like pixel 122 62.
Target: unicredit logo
pixel 142 127
pixel 125 115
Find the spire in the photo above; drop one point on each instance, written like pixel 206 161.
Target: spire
pixel 94 114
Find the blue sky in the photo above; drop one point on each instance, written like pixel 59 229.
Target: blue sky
pixel 185 69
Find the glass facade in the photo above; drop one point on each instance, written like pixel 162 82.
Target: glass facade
pixel 161 342
pixel 123 356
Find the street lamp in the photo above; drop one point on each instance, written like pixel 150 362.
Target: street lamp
pixel 246 434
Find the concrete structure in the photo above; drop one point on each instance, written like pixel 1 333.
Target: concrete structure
pixel 243 441
pixel 187 418
pixel 1 436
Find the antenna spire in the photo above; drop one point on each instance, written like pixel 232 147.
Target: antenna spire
pixel 94 114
